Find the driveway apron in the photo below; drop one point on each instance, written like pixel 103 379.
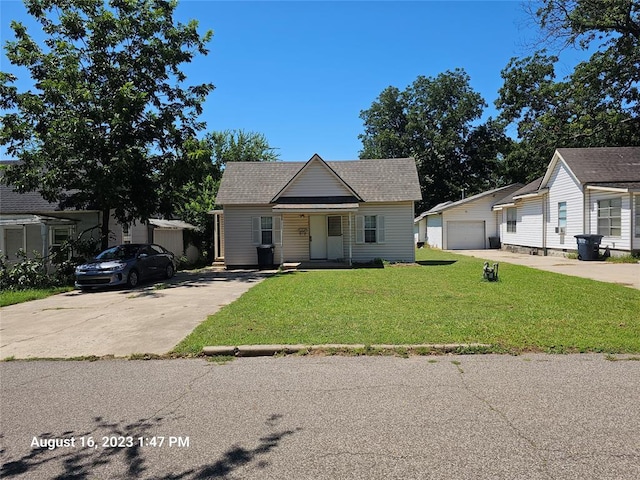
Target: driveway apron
pixel 151 319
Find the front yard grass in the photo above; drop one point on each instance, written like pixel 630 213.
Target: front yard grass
pixel 442 300
pixel 11 297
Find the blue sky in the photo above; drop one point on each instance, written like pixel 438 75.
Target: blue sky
pixel 300 72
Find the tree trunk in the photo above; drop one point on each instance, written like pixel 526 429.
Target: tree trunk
pixel 104 230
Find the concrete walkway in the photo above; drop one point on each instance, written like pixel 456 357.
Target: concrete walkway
pixel 627 274
pixel 150 319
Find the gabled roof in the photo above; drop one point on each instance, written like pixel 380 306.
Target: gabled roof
pixel 316 159
pixel 530 188
pixel 380 180
pixel 598 165
pixel 496 192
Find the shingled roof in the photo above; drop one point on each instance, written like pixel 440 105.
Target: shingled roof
pixel 12 202
pixel 603 165
pixel 380 180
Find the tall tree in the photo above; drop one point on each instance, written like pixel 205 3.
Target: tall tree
pixel 109 114
pixel 436 121
pixel 240 146
pixel 201 171
pixel 598 104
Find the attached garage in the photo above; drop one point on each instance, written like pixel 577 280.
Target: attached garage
pixel 466 235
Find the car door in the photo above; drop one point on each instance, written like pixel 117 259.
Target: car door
pixel 146 260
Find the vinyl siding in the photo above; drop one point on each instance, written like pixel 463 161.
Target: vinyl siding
pixel 529 224
pixel 563 187
pixel 478 210
pixel 434 231
pixel 635 211
pixel 315 181
pixel 623 242
pixel 422 230
pixel 239 248
pixel 398 245
pixel 295 237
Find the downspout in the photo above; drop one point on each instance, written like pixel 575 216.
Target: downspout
pixel 545 216
pixel 216 246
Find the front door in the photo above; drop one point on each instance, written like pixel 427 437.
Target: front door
pixel 318 237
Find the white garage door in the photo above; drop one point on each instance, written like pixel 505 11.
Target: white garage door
pixel 465 235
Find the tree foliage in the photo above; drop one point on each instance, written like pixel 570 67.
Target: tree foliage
pixel 109 115
pixel 436 121
pixel 598 104
pixel 201 170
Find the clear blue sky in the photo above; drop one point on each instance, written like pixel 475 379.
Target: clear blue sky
pixel 300 72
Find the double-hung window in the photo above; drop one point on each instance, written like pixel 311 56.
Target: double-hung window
pixel 512 219
pixel 370 229
pixel 266 230
pixel 610 217
pixel 562 217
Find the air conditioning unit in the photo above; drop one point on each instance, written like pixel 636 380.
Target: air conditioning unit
pixel 561 230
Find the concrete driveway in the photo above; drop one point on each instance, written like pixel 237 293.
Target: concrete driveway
pixel 627 274
pixel 150 319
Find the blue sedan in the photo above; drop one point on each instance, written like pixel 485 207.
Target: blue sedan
pixel 126 264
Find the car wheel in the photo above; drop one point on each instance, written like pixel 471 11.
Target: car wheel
pixel 170 271
pixel 133 279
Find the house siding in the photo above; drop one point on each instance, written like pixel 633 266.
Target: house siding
pixel 635 226
pixel 529 224
pixel 563 187
pixel 316 181
pixel 434 231
pixel 623 242
pixel 478 210
pixel 239 248
pixel 398 245
pixel 295 237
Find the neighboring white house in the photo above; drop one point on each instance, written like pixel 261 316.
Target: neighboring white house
pixel 350 211
pixel 584 191
pixel 465 224
pixel 31 223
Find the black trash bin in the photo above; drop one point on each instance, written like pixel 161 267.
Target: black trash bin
pixel 265 256
pixel 588 246
pixel 494 242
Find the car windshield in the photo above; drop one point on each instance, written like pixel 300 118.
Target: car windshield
pixel 121 252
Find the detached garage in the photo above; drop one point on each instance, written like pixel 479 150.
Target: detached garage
pixel 463 225
pixel 466 235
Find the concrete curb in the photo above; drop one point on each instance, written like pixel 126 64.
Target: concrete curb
pixel 270 350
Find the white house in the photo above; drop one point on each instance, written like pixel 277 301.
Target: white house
pixel 31 223
pixel 466 224
pixel 350 211
pixel 584 191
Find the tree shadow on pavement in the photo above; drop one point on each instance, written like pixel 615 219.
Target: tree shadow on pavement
pixel 88 461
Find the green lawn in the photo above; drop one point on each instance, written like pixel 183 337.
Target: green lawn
pixel 443 300
pixel 10 297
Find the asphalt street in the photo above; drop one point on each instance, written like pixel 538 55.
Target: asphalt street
pixel 442 417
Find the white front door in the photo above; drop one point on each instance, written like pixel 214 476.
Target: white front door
pixel 318 237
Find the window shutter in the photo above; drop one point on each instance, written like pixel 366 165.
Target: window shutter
pixel 255 230
pixel 277 230
pixel 380 229
pixel 359 229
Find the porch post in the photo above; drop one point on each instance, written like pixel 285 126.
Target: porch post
pixel 350 240
pixel 281 240
pixel 216 230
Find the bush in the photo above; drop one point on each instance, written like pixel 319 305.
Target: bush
pixel 27 273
